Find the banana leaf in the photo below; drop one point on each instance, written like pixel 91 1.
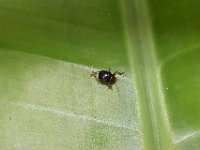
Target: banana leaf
pixel 48 99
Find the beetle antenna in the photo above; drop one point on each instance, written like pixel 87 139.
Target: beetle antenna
pixel 118 73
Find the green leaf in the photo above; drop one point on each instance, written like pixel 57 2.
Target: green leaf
pixel 48 50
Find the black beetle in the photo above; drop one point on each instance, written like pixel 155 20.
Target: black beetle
pixel 106 77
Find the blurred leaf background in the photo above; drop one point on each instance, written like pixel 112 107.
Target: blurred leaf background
pixel 48 49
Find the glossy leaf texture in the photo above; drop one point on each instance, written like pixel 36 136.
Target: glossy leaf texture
pixel 48 50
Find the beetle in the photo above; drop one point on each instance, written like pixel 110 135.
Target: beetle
pixel 106 77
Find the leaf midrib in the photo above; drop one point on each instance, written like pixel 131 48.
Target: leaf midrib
pixel 142 55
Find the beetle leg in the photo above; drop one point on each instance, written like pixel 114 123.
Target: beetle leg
pixel 94 74
pixel 109 86
pixel 119 73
